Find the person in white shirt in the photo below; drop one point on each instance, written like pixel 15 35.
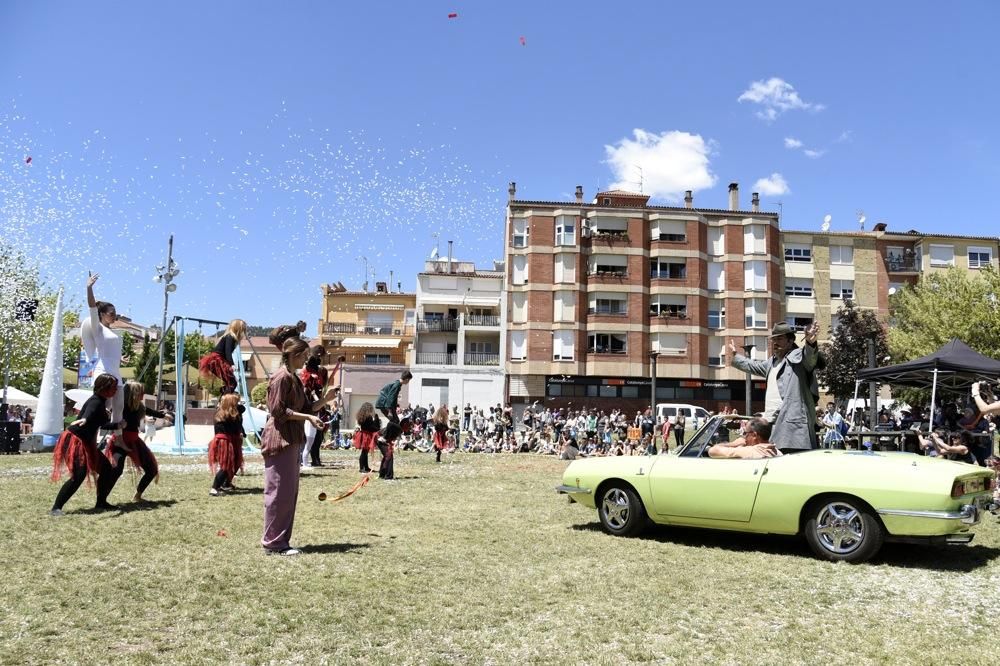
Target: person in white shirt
pixel 103 344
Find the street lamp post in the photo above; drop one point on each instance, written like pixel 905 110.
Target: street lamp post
pixel 652 388
pixel 748 346
pixel 165 274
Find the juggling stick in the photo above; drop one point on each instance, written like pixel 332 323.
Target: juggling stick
pixel 353 489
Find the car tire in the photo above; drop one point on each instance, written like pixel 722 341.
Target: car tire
pixel 841 528
pixel 620 510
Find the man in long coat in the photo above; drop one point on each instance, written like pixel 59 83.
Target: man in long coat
pixel 792 391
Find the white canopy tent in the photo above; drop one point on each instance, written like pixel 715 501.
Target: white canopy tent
pixel 19 397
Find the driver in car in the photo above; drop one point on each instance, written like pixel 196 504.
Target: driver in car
pixel 752 446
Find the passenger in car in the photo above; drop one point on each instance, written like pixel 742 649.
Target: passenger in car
pixel 753 446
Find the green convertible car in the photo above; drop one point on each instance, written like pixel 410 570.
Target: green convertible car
pixel 845 503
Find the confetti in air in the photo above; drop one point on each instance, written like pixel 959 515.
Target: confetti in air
pixel 524 42
pixel 452 15
pixel 28 161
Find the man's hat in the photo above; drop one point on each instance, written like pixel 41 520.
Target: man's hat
pixel 782 329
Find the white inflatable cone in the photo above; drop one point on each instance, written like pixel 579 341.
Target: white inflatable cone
pixel 49 417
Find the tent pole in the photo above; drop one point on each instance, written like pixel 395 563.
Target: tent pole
pixel 933 398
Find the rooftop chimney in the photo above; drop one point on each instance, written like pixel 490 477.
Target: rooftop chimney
pixel 511 190
pixel 734 196
pixel 579 193
pixel 755 202
pixel 450 243
pixel 380 288
pixel 399 287
pixel 688 199
pixel 390 282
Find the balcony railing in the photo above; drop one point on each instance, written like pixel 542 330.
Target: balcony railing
pixel 394 328
pixel 482 320
pixel 338 327
pixel 482 359
pixel 437 325
pixel 622 273
pixel 437 358
pixel 897 264
pixel 669 314
pixel 609 235
pixel 373 357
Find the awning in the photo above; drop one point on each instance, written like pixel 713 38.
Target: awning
pixel 380 343
pixel 378 306
pixel 483 301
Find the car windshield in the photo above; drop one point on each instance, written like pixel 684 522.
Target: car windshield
pixel 715 430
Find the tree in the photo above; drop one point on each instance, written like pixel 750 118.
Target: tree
pixel 258 394
pixel 149 353
pixel 128 347
pixel 945 305
pixel 848 350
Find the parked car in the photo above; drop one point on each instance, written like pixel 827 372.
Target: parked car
pixel 670 410
pixel 844 503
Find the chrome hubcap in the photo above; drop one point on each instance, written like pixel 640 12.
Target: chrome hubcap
pixel 615 508
pixel 840 528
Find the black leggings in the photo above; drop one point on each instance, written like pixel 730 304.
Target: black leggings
pixel 77 478
pixel 114 473
pixel 221 479
pixel 385 469
pixel 679 435
pixel 314 449
pixel 363 461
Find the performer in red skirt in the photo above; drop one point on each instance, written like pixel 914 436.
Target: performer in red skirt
pixel 131 445
pixel 225 452
pixel 440 430
pixel 366 436
pixel 218 363
pixel 387 443
pixel 76 450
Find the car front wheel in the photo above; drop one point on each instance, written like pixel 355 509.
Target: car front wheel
pixel 843 529
pixel 621 511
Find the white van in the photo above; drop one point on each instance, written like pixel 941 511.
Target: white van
pixel 669 410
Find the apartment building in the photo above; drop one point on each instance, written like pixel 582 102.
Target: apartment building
pixel 458 343
pixel 374 330
pixel 595 289
pixel 822 269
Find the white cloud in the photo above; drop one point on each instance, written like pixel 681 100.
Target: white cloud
pixel 671 162
pixel 845 136
pixel 792 144
pixel 813 154
pixel 776 96
pixel 772 185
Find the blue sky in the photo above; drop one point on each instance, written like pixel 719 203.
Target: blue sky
pixel 280 142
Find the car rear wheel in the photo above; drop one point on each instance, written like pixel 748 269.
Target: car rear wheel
pixel 621 511
pixel 842 529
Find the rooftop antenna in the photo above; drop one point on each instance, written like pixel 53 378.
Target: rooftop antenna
pixel 781 210
pixel 639 169
pixel 861 219
pixel 826 223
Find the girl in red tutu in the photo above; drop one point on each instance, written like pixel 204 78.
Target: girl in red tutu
pixel 225 452
pixel 131 445
pixel 76 450
pixel 440 430
pixel 218 363
pixel 366 436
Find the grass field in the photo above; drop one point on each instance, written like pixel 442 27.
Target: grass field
pixel 474 561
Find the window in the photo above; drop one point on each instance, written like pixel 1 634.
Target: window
pixel 716 277
pixel 518 346
pixel 754 236
pixel 667 270
pixel 565 267
pixel 630 391
pixel 434 382
pixel 716 352
pixel 755 275
pixel 918 254
pixel 519 307
pixel 716 241
pixel 799 287
pixel 562 306
pixel 842 255
pixel 834 324
pixel 756 312
pixel 565 230
pixel 608 391
pixel 668 305
pixel 609 264
pixel 841 288
pixel 942 255
pixel 376 359
pixel 801 253
pixel 799 322
pixel 669 343
pixel 520 272
pixel 607 343
pixel 716 313
pixel 759 351
pixel 481 348
pixel 671 231
pixel 608 304
pixel 520 233
pixel 562 345
pixel 980 257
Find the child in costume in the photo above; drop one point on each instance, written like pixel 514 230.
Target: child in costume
pixel 131 446
pixel 440 431
pixel 218 363
pixel 225 452
pixel 366 436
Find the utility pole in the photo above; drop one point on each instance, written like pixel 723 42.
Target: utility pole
pixel 165 274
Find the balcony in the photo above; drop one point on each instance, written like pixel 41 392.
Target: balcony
pixel 448 325
pixel 897 264
pixel 668 315
pixel 394 328
pixel 619 274
pixel 373 357
pixel 482 359
pixel 437 358
pixel 338 327
pixel 491 321
pixel 609 236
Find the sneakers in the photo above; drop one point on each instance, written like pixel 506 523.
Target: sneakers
pixel 56 512
pixel 229 488
pixel 105 506
pixel 287 552
pixel 214 492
